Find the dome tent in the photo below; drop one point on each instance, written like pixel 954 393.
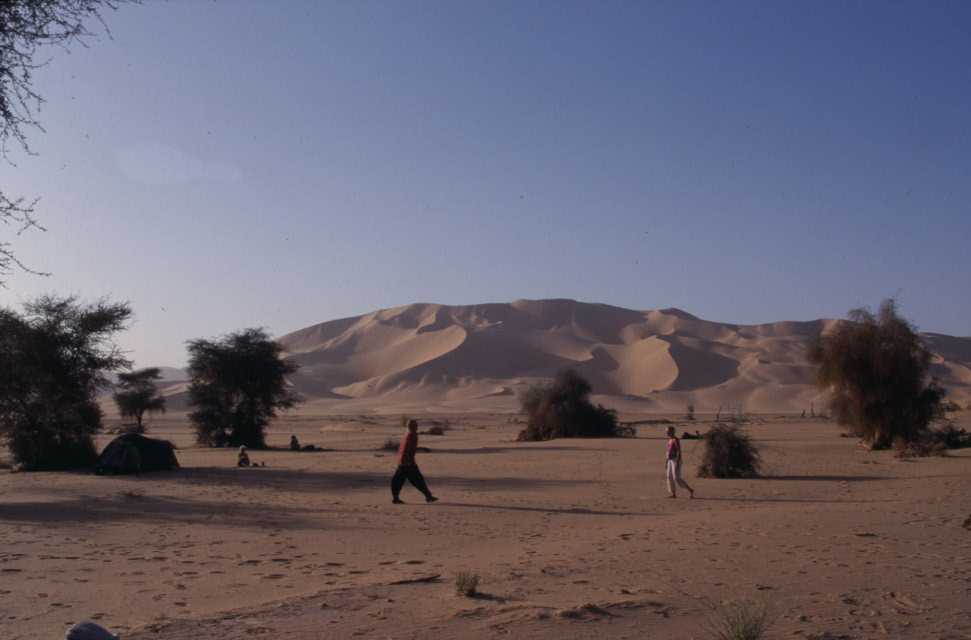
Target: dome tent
pixel 135 453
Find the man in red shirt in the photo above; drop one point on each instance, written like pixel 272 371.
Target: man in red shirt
pixel 407 468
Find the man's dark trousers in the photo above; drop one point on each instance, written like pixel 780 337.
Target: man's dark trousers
pixel 411 473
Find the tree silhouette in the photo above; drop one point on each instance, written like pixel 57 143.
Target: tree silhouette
pixel 137 395
pixel 875 368
pixel 56 358
pixel 238 384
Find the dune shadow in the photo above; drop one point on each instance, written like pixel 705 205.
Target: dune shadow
pixel 87 510
pixel 582 511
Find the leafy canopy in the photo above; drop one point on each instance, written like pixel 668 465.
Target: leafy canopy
pixel 54 360
pixel 136 394
pixel 238 385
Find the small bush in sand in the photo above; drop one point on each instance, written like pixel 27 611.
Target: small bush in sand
pixel 741 621
pixel 729 453
pixel 935 442
pixel 131 494
pixel 466 583
pixel 562 409
pixel 390 445
pixel 436 430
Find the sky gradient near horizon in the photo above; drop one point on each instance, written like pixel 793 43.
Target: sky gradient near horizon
pixel 232 164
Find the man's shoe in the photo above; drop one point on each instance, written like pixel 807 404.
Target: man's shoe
pixel 397 501
pixel 431 499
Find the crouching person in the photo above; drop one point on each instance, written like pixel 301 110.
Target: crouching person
pixel 408 468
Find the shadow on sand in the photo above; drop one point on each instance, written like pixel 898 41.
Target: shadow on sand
pixel 572 511
pixel 826 478
pixel 86 510
pixel 317 481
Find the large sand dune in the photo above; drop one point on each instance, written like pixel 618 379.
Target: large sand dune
pixel 477 357
pixel 480 355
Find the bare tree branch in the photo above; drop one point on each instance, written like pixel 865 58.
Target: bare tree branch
pixel 26 27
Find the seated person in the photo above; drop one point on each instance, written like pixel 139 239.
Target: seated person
pixel 243 459
pixel 294 444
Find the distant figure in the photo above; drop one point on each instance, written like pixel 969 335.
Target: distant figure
pixel 243 459
pixel 408 468
pixel 803 413
pixel 294 443
pixel 674 466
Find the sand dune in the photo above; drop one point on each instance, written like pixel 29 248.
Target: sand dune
pixel 478 357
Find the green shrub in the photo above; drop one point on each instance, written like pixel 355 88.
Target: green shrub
pixel 729 453
pixel 54 361
pixel 562 409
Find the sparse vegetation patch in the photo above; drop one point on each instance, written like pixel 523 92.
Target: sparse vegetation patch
pixel 562 409
pixel 729 453
pixel 875 368
pixel 741 621
pixel 466 583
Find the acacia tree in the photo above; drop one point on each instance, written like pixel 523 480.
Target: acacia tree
pixel 54 360
pixel 136 395
pixel 875 368
pixel 238 383
pixel 26 27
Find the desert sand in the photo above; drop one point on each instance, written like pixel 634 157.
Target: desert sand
pixel 572 539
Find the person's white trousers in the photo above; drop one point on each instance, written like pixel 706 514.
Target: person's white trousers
pixel 674 477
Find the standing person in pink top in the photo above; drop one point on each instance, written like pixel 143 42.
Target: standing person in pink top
pixel 408 468
pixel 674 466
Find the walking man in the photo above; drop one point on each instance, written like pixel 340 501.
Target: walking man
pixel 408 468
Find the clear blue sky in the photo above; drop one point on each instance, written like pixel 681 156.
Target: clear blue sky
pixel 230 164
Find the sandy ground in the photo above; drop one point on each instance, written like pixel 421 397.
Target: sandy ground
pixel 572 539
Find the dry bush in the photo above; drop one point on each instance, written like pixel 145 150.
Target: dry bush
pixel 935 442
pixel 875 368
pixel 391 444
pixel 729 453
pixel 562 409
pixel 741 621
pixel 952 437
pixel 467 583
pixel 436 430
pixel 920 448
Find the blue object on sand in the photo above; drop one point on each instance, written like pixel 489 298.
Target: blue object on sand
pixel 88 630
